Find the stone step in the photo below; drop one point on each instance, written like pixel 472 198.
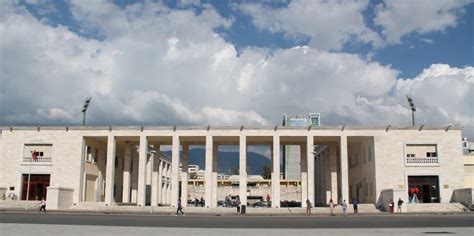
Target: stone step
pixel 435 207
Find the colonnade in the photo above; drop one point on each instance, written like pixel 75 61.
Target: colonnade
pixel 165 175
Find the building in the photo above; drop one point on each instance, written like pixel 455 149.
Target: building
pixel 468 151
pixel 114 165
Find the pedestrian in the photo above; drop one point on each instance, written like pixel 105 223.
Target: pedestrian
pixel 400 202
pixel 179 208
pixel 331 207
pixel 202 202
pixel 355 202
pixel 237 203
pixel 390 206
pixel 344 208
pixel 196 201
pixel 42 205
pixel 308 206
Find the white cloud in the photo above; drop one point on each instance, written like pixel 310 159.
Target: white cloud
pixel 172 68
pixel 329 24
pixel 401 17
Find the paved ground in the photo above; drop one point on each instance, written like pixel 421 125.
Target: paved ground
pixel 265 222
pixel 37 230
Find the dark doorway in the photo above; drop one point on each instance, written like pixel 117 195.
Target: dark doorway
pixel 38 185
pixel 423 189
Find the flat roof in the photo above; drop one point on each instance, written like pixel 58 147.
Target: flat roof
pixel 246 127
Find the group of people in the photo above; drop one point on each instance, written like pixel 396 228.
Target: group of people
pixel 391 206
pixel 199 202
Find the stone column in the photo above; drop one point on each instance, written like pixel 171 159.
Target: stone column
pixel 160 180
pixel 175 171
pixel 168 185
pixel 214 175
pixel 127 161
pixel 184 175
pixel 304 174
pixel 208 173
pixel 276 172
pixel 155 165
pixel 243 169
pixel 110 171
pixel 332 172
pixel 310 168
pixel 344 170
pixel 142 160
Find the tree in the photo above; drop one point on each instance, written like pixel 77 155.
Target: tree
pixel 267 171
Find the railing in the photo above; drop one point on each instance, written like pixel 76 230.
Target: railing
pixel 422 160
pixel 38 159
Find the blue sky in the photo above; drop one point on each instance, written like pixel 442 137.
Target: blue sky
pixel 237 62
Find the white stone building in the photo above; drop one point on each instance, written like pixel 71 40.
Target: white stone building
pixel 120 165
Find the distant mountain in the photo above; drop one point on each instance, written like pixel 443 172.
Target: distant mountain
pixel 228 161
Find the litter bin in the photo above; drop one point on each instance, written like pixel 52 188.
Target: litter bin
pixel 243 208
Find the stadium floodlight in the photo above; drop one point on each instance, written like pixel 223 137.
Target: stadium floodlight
pixel 413 109
pixel 84 110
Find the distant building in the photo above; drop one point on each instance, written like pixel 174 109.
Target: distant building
pixel 292 153
pixel 468 151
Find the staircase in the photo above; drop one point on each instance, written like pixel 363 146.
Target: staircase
pixel 435 208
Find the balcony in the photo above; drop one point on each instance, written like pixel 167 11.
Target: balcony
pixel 422 161
pixel 39 160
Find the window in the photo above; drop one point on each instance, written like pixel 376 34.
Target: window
pixel 43 152
pixel 421 150
pixel 431 154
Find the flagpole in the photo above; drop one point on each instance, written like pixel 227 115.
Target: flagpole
pixel 28 187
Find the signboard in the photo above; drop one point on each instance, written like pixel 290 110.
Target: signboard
pixel 315 119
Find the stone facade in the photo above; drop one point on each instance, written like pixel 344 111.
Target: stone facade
pixel 359 161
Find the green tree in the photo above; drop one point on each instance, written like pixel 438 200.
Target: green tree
pixel 267 171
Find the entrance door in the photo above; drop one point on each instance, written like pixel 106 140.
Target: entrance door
pixel 38 185
pixel 424 188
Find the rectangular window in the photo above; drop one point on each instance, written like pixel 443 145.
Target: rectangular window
pixel 421 150
pixel 44 152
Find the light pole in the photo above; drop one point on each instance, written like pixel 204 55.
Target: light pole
pixel 84 110
pixel 413 109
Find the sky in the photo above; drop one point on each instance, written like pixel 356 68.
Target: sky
pixel 197 62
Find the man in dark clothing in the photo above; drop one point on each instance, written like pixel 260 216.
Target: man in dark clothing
pixel 179 208
pixel 400 203
pixel 202 202
pixel 355 202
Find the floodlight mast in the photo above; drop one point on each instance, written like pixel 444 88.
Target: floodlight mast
pixel 413 109
pixel 84 110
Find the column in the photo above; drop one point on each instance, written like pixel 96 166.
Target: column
pixel 168 184
pixel 214 175
pixel 184 175
pixel 127 161
pixel 344 170
pixel 208 173
pixel 142 159
pixel 276 172
pixel 110 171
pixel 155 165
pixel 304 174
pixel 243 169
pixel 175 171
pixel 332 168
pixel 160 180
pixel 310 168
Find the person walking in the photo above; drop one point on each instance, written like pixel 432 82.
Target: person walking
pixel 42 205
pixel 237 203
pixel 400 203
pixel 196 201
pixel 179 208
pixel 344 208
pixel 391 206
pixel 202 202
pixel 355 202
pixel 331 207
pixel 308 206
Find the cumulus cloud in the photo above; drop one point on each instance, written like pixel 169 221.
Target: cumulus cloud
pixel 168 66
pixel 401 17
pixel 329 24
